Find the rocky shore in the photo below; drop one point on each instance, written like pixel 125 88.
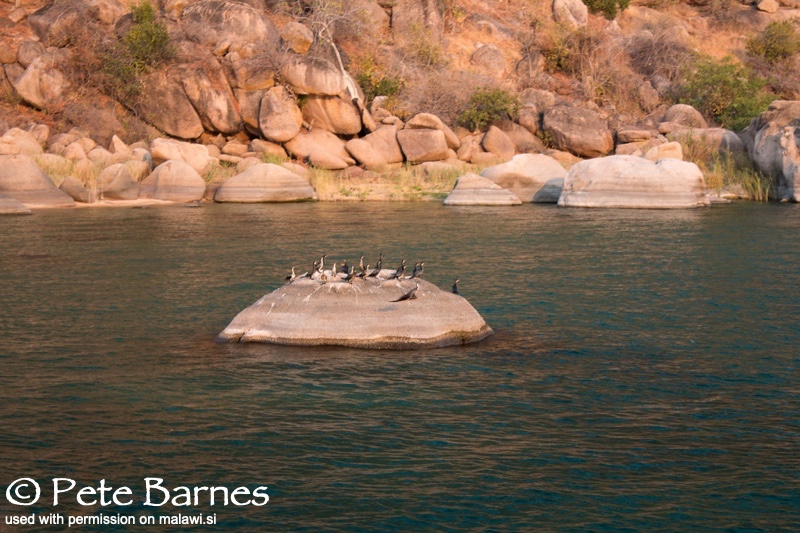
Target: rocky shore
pixel 249 106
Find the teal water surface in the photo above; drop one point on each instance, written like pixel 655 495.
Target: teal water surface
pixel 643 375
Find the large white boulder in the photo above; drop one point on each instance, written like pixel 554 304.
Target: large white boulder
pixel 361 314
pixel 22 179
pixel 626 181
pixel 174 181
pixel 265 183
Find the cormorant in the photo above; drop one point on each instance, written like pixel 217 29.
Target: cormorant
pixel 398 274
pixel 410 295
pixel 418 269
pixel 455 286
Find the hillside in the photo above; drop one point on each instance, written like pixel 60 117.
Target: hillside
pixel 214 71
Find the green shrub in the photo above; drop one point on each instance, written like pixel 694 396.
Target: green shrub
pixel 777 41
pixel 486 105
pixel 374 81
pixel 728 92
pixel 609 8
pixel 147 42
pixel 143 47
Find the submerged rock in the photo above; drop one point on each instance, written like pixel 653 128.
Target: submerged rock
pixel 361 314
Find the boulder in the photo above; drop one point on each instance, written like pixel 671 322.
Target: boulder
pixel 308 313
pixel 633 134
pixel 332 113
pixel 207 89
pixel 174 181
pixel 532 177
pixel 524 141
pixel 763 137
pixel 686 116
pixel 28 51
pixel 168 108
pixel 768 6
pixel 327 161
pixel 581 131
pixel 367 156
pixel 496 142
pixel 671 150
pixel 12 206
pixel 195 155
pixel 259 146
pixel 624 181
pixel 432 122
pixel 789 185
pixel 252 74
pixel 265 183
pixel 42 83
pixel 22 179
pixel 422 145
pixel 320 141
pixel 384 142
pixel 311 75
pixel 77 191
pixel 56 22
pixel 573 13
pixel 416 19
pixel 117 182
pixel 471 189
pixel 25 143
pixel 220 23
pixel 249 108
pixel 279 118
pixel 489 59
pixel 297 37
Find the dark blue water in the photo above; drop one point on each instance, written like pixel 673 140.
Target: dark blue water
pixel 643 376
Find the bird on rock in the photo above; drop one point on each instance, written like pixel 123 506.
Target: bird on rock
pixel 419 268
pixel 410 295
pixel 398 274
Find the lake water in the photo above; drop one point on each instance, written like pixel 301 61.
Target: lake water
pixel 644 374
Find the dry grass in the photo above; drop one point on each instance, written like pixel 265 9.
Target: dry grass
pixel 219 173
pixel 84 171
pixel 403 184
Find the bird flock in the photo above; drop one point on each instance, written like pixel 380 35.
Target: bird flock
pixel 348 273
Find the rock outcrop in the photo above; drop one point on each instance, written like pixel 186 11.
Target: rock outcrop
pixel 625 181
pixel 22 179
pixel 532 177
pixel 471 189
pixel 265 183
pixel 309 313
